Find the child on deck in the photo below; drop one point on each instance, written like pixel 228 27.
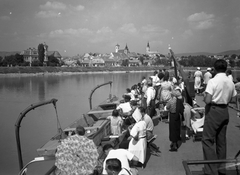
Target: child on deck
pixel 116 123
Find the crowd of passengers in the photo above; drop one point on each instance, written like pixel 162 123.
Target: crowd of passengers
pixel 162 92
pixel 159 92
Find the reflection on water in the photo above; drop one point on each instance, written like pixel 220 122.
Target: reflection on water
pixel 39 125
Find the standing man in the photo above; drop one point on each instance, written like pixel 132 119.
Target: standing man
pixel 218 94
pixel 207 76
pixel 150 99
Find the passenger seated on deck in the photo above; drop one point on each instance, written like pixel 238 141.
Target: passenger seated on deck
pixel 130 93
pixel 126 109
pixel 126 106
pixel 149 123
pixel 116 122
pixel 138 142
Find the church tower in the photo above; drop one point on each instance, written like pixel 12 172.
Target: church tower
pixel 148 48
pixel 117 48
pixel 126 51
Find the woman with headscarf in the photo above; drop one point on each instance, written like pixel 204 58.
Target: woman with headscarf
pixel 175 108
pixel 138 142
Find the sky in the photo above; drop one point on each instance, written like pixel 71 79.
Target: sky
pixel 74 27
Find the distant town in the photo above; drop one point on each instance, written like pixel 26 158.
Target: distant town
pixel 119 57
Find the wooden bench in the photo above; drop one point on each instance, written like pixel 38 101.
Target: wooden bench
pixel 100 111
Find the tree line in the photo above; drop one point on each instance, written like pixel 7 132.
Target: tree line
pixel 18 60
pixel 199 61
pixel 186 61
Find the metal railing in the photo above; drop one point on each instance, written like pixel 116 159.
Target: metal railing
pixel 23 171
pixel 235 162
pixel 18 124
pixel 90 97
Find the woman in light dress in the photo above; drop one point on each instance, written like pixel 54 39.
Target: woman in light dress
pixel 165 90
pixel 116 123
pixel 138 142
pixel 198 78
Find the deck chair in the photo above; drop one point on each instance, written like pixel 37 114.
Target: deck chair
pixel 154 149
pixel 197 126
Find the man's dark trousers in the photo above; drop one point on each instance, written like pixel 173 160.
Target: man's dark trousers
pixel 214 137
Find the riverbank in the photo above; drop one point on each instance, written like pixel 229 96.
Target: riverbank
pixel 19 70
pixel 35 71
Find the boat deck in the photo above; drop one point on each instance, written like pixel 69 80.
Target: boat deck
pixel 170 163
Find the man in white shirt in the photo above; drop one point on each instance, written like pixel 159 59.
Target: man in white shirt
pixel 207 76
pixel 218 94
pixel 150 99
pixel 148 121
pixel 156 82
pixel 126 106
pixel 155 79
pixel 121 154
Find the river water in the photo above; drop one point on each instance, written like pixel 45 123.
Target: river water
pixel 39 125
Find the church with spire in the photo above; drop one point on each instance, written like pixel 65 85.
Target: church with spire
pixel 151 53
pixel 125 50
pixel 123 54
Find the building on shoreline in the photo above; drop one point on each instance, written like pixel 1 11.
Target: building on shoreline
pixel 31 54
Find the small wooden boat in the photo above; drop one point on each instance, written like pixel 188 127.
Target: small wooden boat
pixel 94 121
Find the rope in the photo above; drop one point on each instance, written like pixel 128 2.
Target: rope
pixel 234 108
pixel 110 93
pixel 110 88
pixel 59 128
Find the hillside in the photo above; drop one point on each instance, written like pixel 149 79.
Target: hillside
pixel 4 53
pixel 229 52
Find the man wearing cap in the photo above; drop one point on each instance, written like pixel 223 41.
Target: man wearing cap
pixel 198 77
pixel 150 99
pixel 207 76
pixel 218 94
pixel 156 83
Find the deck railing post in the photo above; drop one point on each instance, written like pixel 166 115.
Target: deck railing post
pixel 18 124
pixel 98 86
